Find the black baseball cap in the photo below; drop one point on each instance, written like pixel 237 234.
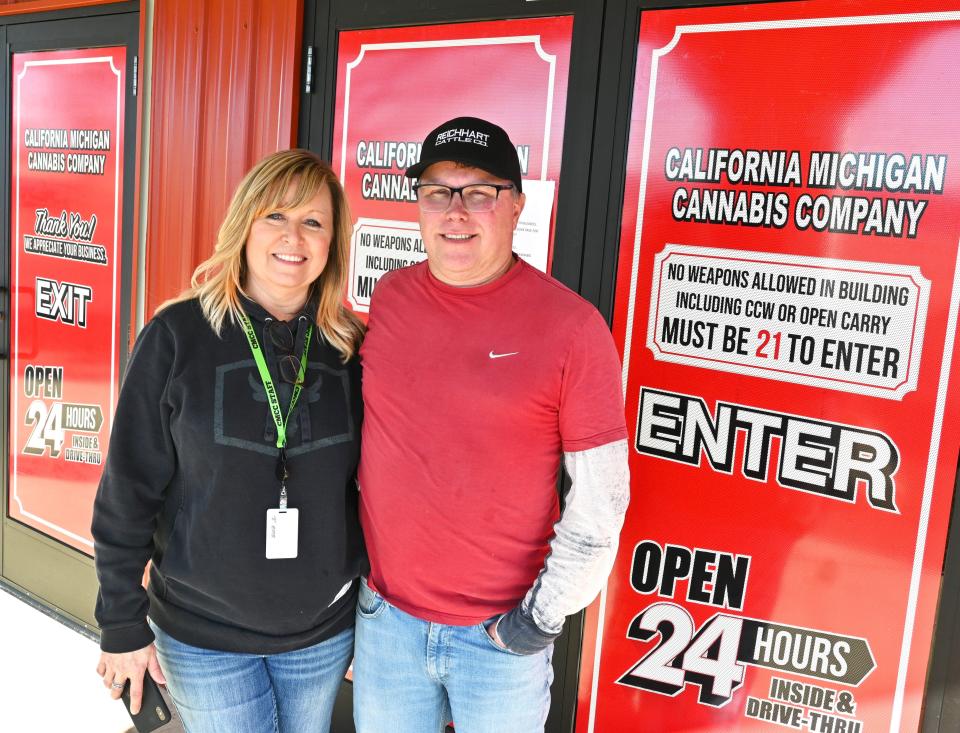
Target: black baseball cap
pixel 473 142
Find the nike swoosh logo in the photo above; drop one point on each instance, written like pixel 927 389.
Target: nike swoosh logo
pixel 500 356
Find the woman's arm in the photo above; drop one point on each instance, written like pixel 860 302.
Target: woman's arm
pixel 141 461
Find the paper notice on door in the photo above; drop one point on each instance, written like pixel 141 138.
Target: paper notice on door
pixel 531 239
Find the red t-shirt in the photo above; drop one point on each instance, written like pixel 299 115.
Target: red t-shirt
pixel 471 395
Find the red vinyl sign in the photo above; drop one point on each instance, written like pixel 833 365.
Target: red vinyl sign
pixel 66 188
pixel 394 85
pixel 787 304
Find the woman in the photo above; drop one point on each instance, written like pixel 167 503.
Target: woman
pixel 231 466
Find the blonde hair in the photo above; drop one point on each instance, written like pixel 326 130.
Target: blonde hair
pixel 218 281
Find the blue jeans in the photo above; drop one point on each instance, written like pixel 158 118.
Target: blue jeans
pixel 413 676
pixel 291 692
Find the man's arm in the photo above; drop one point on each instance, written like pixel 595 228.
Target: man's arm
pixel 582 550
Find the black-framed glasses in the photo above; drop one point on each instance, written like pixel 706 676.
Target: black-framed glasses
pixel 476 197
pixel 282 337
pixel 290 369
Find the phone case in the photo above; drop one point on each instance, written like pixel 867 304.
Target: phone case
pixel 154 712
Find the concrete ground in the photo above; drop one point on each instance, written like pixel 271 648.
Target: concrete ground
pixel 48 682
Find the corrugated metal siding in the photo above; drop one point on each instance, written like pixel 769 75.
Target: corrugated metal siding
pixel 225 76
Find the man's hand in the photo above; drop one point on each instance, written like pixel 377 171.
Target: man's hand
pixel 492 631
pixel 116 669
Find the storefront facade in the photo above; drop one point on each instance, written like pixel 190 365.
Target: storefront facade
pixel 760 197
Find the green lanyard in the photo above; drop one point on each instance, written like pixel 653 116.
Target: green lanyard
pixel 275 411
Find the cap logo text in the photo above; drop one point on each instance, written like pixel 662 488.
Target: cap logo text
pixel 462 135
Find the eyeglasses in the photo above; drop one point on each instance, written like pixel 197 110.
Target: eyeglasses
pixel 282 338
pixel 281 335
pixel 477 197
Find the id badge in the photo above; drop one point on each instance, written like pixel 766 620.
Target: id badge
pixel 282 533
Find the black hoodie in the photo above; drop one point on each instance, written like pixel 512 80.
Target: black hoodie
pixel 190 474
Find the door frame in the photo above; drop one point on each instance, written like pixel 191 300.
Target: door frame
pixel 941 704
pixel 577 260
pixel 38 567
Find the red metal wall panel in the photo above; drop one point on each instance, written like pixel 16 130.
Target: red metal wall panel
pixel 225 77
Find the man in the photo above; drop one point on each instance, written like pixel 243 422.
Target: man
pixel 480 374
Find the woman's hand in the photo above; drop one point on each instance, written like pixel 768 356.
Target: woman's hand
pixel 116 669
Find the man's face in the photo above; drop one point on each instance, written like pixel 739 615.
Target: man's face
pixel 466 248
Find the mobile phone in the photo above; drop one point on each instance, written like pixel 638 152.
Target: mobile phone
pixel 154 712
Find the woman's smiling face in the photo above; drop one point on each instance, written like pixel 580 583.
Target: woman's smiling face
pixel 287 249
